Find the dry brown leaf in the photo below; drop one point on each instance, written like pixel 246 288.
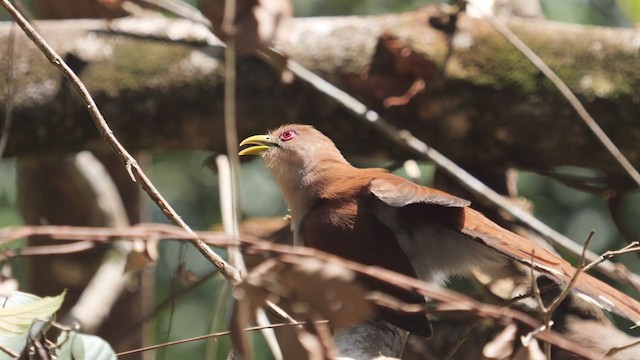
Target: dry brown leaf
pixel 531 352
pixel 186 276
pixel 501 347
pixel 328 290
pixel 313 349
pixel 312 290
pixel 142 253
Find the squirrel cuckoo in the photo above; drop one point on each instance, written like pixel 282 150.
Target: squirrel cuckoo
pixel 376 218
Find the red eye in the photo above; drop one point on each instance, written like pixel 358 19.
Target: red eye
pixel 287 135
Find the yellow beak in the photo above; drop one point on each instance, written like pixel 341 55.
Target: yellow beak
pixel 261 143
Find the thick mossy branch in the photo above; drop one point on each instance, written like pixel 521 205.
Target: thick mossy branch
pixel 486 106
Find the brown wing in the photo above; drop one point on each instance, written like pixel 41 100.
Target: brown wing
pixel 398 192
pixel 522 250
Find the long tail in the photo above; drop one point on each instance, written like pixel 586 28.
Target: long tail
pixel 525 251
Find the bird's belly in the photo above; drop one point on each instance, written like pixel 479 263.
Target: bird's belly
pixel 437 253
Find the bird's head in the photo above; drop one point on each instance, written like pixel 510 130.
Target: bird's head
pixel 301 158
pixel 292 148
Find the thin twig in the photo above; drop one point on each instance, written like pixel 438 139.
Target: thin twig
pixel 467 330
pixel 566 92
pixel 203 337
pixel 230 273
pixel 579 270
pixel 463 338
pixel 173 284
pixel 230 121
pixel 47 250
pixel 232 212
pixel 615 350
pixel 143 231
pixel 167 301
pixel 634 247
pixel 9 352
pixel 547 312
pixel 229 210
pixel 218 320
pixel 322 333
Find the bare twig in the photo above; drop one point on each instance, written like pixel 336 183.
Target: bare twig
pixel 467 330
pixel 230 273
pixel 229 210
pixel 47 250
pixel 463 338
pixel 322 334
pixel 172 298
pixel 203 337
pixel 233 162
pixel 567 93
pixel 634 247
pixel 9 352
pixel 218 320
pixel 547 312
pixel 230 122
pixel 615 350
pixel 147 231
pixel 139 231
pixel 180 267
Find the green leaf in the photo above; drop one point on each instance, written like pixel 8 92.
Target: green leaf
pixel 70 346
pixel 75 346
pixel 23 314
pixel 20 310
pixel 631 10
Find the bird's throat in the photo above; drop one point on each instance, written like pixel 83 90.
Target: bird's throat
pixel 302 188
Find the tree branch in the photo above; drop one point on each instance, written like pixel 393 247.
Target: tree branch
pixel 489 108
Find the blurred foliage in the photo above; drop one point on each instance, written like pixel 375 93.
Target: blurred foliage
pixel 593 12
pixel 193 190
pixel 8 191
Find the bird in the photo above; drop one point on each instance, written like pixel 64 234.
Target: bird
pixel 374 217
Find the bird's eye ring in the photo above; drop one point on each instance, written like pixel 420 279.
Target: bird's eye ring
pixel 287 135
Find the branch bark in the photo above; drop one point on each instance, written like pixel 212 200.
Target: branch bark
pixel 485 107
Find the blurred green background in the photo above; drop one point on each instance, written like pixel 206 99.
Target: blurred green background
pixel 192 189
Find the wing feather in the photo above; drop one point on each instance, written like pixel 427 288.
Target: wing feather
pixel 398 192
